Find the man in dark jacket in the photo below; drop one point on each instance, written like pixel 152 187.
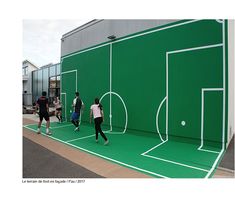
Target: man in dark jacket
pixel 78 105
pixel 42 104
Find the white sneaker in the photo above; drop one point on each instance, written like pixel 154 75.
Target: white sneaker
pixel 38 131
pixel 106 142
pixel 76 129
pixel 49 133
pixel 96 141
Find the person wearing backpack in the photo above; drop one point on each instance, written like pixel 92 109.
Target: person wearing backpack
pixel 78 105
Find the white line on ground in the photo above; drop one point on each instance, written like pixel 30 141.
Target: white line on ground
pixel 200 149
pixel 214 165
pixel 108 131
pixel 153 148
pixel 80 138
pixel 91 152
pixel 177 163
pixel 29 125
pixel 58 126
pixel 143 154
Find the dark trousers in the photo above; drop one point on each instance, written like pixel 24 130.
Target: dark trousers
pixel 76 123
pixel 98 122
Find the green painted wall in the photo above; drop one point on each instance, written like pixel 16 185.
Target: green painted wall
pixel 142 73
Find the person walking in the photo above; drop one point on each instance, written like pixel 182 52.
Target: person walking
pixel 58 109
pixel 42 104
pixel 78 106
pixel 97 111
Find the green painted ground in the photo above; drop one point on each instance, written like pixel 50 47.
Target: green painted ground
pixel 171 159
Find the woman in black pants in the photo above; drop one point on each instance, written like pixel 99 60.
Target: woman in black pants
pixel 97 111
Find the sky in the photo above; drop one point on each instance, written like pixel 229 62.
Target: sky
pixel 42 39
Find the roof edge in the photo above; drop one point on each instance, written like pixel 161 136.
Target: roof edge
pixel 30 63
pixel 86 25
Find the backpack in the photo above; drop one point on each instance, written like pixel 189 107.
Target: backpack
pixel 78 105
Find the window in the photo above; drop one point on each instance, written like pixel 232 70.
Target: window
pixel 45 79
pixel 58 69
pixel 54 90
pixel 52 71
pixel 35 86
pixel 40 82
pixel 25 70
pixel 53 82
pixel 58 81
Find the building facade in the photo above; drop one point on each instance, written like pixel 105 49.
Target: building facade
pixel 27 69
pixel 47 78
pixel 122 49
pixel 97 31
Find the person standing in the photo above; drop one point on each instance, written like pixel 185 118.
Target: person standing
pixel 98 114
pixel 58 109
pixel 42 104
pixel 78 106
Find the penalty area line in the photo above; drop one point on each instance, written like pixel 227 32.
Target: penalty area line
pixel 105 157
pixel 80 138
